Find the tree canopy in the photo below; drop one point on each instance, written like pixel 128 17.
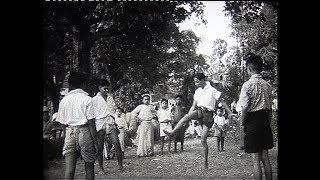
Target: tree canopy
pixel 255 25
pixel 136 46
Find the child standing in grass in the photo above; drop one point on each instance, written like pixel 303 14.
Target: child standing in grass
pixel 177 112
pixel 164 117
pixel 121 122
pixel 220 123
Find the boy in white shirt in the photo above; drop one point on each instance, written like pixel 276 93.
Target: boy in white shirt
pixel 76 112
pixel 104 113
pixel 220 123
pixel 164 118
pixel 204 101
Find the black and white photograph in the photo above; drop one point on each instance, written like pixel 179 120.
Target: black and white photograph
pixel 160 89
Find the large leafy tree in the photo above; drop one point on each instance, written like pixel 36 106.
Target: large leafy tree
pixel 124 42
pixel 184 61
pixel 255 26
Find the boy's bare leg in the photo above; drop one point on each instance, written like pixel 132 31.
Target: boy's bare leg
pixel 101 139
pixel 175 146
pixel 186 118
pixel 71 161
pixel 205 145
pixel 266 164
pixel 89 167
pixel 169 144
pixel 256 157
pixel 182 145
pixel 222 143
pixel 162 144
pixel 115 141
pixel 218 143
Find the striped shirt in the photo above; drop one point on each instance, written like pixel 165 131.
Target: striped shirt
pixel 255 94
pixel 75 108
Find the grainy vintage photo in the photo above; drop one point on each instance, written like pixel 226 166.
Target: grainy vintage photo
pixel 160 89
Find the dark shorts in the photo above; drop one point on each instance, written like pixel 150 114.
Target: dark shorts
pixel 205 117
pixel 257 132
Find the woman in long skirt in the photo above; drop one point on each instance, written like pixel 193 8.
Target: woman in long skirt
pixel 145 113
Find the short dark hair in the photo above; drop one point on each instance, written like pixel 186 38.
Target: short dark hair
pixel 104 82
pixel 200 76
pixel 164 100
pixel 219 109
pixel 179 96
pixel 143 95
pixel 120 109
pixel 254 61
pixel 77 79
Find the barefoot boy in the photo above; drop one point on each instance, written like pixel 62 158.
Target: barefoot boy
pixel 204 101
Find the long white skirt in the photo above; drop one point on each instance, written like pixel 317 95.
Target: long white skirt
pixel 145 138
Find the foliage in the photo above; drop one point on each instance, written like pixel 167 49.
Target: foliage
pixel 248 10
pixel 126 43
pixel 219 49
pixel 255 26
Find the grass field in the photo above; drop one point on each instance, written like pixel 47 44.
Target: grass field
pixel 181 165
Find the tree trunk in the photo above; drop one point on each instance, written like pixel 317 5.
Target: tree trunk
pixel 84 48
pixel 74 63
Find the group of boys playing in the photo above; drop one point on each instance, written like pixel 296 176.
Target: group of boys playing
pixel 79 112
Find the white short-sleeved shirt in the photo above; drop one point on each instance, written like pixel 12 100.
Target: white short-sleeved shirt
pixel 103 108
pixel 220 120
pixel 163 114
pixel 144 112
pixel 121 121
pixel 207 96
pixel 75 108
